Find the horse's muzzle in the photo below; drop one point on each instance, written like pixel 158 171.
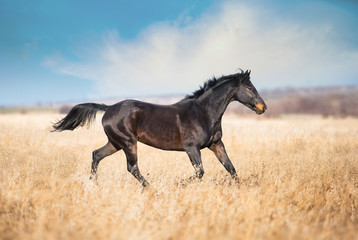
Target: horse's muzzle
pixel 260 108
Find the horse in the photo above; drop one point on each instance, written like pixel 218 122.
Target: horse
pixel 189 125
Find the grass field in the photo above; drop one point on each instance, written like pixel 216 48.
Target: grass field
pixel 299 180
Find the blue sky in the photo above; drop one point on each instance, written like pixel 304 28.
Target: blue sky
pixel 57 51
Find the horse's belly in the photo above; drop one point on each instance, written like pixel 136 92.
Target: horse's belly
pixel 166 139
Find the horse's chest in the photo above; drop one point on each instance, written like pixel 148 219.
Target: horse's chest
pixel 214 137
pixel 202 135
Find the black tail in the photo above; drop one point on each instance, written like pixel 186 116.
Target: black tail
pixel 80 115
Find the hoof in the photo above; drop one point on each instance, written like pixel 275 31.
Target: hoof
pixel 93 177
pixel 145 184
pixel 236 178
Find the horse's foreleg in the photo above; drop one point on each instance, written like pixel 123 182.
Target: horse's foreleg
pixel 98 155
pixel 195 159
pixel 219 149
pixel 132 164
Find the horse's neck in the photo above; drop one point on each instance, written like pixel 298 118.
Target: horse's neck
pixel 216 101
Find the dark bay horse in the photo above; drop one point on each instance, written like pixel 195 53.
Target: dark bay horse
pixel 189 125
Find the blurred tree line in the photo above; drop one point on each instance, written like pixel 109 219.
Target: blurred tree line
pixel 325 101
pixel 328 101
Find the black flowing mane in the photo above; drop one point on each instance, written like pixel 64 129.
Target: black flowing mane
pixel 212 83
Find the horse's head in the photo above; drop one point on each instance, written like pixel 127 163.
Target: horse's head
pixel 248 95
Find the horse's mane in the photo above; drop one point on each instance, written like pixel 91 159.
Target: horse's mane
pixel 212 83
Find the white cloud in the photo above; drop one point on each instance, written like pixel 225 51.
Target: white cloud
pixel 176 57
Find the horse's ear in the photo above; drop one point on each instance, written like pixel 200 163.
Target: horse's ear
pixel 247 73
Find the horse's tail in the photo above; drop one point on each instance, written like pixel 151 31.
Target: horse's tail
pixel 80 115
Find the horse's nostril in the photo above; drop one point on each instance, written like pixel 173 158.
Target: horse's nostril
pixel 261 106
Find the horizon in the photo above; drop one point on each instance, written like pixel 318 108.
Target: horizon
pixel 59 52
pixel 172 98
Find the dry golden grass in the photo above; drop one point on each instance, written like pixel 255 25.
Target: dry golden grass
pixel 299 180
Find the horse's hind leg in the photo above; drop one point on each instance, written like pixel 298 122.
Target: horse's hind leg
pixel 132 163
pixel 98 155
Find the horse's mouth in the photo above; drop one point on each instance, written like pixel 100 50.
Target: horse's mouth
pixel 259 108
